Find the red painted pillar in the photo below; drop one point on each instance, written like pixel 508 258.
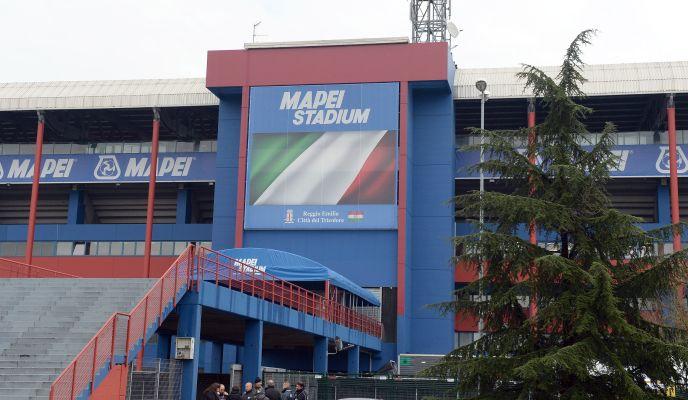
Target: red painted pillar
pixel 401 211
pixel 532 157
pixel 34 189
pixel 241 175
pixel 151 193
pixel 673 170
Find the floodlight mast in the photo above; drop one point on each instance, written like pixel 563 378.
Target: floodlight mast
pixel 481 85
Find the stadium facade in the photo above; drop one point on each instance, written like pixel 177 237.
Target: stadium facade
pixel 343 152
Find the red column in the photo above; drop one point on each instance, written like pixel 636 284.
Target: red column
pixel 34 189
pixel 532 157
pixel 151 192
pixel 401 210
pixel 241 174
pixel 673 170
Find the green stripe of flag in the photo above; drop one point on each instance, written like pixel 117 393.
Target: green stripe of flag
pixel 271 154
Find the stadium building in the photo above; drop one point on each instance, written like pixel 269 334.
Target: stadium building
pixel 345 153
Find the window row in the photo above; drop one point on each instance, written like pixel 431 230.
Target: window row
pixel 621 138
pixel 202 146
pixel 49 249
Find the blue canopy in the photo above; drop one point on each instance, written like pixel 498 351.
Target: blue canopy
pixel 292 267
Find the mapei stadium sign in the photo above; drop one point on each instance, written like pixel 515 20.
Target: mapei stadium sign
pixel 89 168
pixel 322 157
pixel 632 161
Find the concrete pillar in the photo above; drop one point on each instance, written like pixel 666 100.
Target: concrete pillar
pixel 253 350
pixel 189 325
pixel 353 360
pixel 320 354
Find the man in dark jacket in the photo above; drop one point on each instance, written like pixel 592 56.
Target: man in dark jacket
pixel 287 393
pixel 235 393
pixel 270 392
pixel 301 394
pixel 248 394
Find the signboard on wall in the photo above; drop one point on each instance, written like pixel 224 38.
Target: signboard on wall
pixel 633 161
pixel 115 168
pixel 322 157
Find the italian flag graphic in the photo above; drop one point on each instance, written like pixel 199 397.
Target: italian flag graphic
pixel 323 168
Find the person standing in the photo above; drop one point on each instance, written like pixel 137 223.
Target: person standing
pixel 248 394
pixel 235 393
pixel 301 393
pixel 270 392
pixel 211 392
pixel 287 393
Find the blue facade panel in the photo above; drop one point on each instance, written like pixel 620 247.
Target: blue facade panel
pixel 228 136
pixel 431 191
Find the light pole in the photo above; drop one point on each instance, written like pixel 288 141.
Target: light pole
pixel 484 95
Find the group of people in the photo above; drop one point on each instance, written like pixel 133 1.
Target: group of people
pixel 255 391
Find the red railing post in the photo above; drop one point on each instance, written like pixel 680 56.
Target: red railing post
pixel 176 289
pixel 71 392
pixel 93 364
pixel 162 288
pixel 112 344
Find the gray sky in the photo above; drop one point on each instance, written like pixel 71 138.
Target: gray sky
pixel 124 39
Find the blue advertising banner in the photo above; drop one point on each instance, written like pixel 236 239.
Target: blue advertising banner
pixel 322 157
pixel 634 161
pixel 90 168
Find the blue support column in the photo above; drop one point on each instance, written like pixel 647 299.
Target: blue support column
pixel 320 355
pixel 663 204
pixel 353 360
pixel 75 211
pixel 183 206
pixel 163 346
pixel 253 350
pixel 189 325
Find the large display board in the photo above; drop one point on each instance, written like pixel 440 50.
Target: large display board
pixel 323 157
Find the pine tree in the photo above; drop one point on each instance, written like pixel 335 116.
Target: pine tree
pixel 591 337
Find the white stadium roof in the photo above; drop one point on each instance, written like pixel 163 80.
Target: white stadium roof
pixel 607 79
pixel 603 80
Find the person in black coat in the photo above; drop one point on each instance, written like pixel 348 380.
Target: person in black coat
pixel 271 393
pixel 211 392
pixel 235 393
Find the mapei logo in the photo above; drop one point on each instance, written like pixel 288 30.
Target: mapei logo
pixel 107 168
pixel 621 160
pixel 662 164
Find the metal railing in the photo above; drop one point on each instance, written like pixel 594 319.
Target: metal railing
pixel 239 276
pixel 123 334
pixel 16 269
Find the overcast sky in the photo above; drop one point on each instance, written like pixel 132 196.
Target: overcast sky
pixel 125 39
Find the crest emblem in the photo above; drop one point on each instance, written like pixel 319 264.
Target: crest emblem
pixel 662 164
pixel 107 168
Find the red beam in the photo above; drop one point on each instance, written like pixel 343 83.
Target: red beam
pixel 532 157
pixel 673 170
pixel 241 175
pixel 151 193
pixel 34 189
pixel 401 211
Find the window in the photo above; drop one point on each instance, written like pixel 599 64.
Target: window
pixel 79 249
pixel 179 247
pixel 64 248
pixel 131 148
pixel 61 148
pixel 167 248
pixel 129 248
pixel 140 248
pixel 116 248
pixel 8 249
pixel 155 248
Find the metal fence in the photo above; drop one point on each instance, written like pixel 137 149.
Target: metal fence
pixel 337 387
pixel 156 380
